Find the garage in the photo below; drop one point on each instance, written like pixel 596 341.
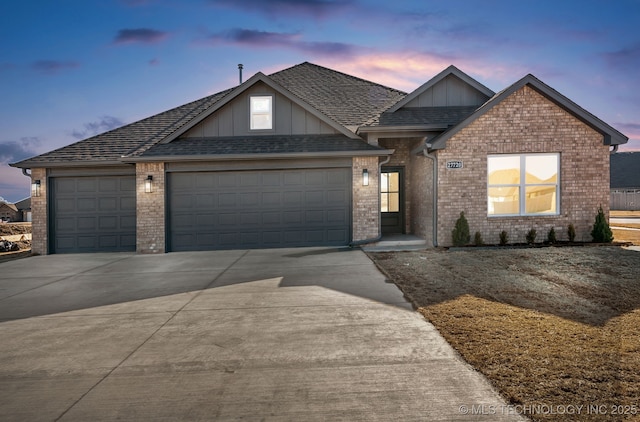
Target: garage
pixel 93 214
pixel 259 209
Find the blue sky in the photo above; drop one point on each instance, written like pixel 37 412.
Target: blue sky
pixel 71 69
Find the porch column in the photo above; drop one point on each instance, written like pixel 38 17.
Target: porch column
pixel 366 215
pixel 150 208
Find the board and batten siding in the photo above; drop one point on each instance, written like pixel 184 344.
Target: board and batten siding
pixel 233 118
pixel 451 91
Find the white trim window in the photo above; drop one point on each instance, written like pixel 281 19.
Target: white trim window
pixel 261 112
pixel 523 184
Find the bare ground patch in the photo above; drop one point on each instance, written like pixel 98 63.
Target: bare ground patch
pixel 548 326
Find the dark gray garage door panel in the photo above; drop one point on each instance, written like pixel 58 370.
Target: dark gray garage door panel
pixel 93 214
pixel 259 209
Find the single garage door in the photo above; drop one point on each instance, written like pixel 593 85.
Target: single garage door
pixel 259 209
pixel 93 214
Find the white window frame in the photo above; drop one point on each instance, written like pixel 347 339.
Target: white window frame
pixel 268 113
pixel 523 185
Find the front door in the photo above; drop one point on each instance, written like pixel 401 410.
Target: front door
pixel 392 200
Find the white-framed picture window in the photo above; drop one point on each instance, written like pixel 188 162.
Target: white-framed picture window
pixel 523 184
pixel 261 112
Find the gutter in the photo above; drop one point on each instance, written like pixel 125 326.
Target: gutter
pixel 259 156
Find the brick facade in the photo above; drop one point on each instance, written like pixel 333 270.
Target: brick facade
pixel 366 216
pixel 525 122
pixel 421 211
pixel 39 214
pixel 150 209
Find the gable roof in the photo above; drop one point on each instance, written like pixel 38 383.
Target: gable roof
pixel 8 205
pixel 611 135
pixel 625 170
pixel 23 204
pixel 345 100
pixel 451 70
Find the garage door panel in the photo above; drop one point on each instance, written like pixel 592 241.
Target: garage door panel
pixel 86 185
pixel 86 224
pixel 93 214
pixel 253 209
pixel 86 204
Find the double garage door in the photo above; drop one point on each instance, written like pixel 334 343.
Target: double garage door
pixel 258 209
pixel 93 214
pixel 207 210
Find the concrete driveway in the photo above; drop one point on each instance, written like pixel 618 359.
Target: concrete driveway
pixel 283 334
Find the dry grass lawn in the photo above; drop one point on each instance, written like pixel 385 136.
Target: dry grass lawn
pixel 548 326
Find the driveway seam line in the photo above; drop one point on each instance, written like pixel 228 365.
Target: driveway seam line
pixel 171 317
pixel 65 277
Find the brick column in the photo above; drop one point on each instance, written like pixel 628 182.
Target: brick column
pixel 366 215
pixel 39 215
pixel 150 209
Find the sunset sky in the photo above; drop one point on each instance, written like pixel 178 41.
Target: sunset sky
pixel 70 69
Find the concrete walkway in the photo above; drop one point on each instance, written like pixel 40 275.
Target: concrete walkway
pixel 285 334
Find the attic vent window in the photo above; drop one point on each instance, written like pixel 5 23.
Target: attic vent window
pixel 261 112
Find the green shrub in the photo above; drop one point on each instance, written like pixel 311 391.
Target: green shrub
pixel 477 239
pixel 571 232
pixel 460 234
pixel 531 236
pixel 551 236
pixel 504 238
pixel 601 231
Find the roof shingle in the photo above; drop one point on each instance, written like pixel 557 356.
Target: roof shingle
pixel 348 100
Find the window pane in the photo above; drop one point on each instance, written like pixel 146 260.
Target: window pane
pixel 541 168
pixel 394 182
pixel 394 202
pixel 384 202
pixel 260 104
pixel 504 200
pixel 384 182
pixel 540 200
pixel 260 121
pixel 504 170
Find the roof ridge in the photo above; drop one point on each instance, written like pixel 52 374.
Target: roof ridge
pixel 324 68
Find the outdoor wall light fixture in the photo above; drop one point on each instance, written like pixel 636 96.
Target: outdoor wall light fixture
pixel 148 184
pixel 365 177
pixel 35 188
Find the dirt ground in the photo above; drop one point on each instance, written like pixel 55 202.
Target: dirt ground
pixel 550 327
pixel 7 229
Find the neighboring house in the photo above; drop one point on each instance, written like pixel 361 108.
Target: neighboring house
pixel 8 212
pixel 310 156
pixel 625 181
pixel 24 208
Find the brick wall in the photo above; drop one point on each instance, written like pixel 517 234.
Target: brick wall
pixel 39 216
pixel 421 211
pixel 150 209
pixel 365 199
pixel 525 122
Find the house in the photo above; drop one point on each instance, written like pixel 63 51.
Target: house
pixel 24 209
pixel 310 156
pixel 625 181
pixel 8 212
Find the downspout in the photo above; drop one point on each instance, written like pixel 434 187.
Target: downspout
pixel 375 239
pixel 24 171
pixel 614 150
pixel 434 160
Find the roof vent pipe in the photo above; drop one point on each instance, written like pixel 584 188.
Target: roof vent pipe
pixel 240 66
